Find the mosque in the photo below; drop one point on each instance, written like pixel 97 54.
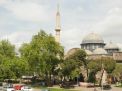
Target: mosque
pixel 93 44
pixel 95 47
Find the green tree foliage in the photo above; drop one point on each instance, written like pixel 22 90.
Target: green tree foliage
pixel 68 67
pixel 7 49
pixel 98 64
pixel 117 71
pixel 94 65
pixel 92 77
pixel 80 56
pixel 43 54
pixel 19 67
pixel 11 66
pixel 109 64
pixel 7 53
pixel 105 62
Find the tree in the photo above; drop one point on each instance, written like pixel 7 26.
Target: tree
pixel 7 54
pixel 92 77
pixel 107 63
pixel 99 64
pixel 7 49
pixel 43 54
pixel 19 67
pixel 117 73
pixel 94 66
pixel 68 67
pixel 80 56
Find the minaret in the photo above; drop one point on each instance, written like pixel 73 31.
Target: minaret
pixel 58 25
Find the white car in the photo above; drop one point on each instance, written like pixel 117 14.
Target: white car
pixel 8 87
pixel 26 88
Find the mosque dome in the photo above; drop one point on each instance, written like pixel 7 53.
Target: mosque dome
pixel 100 51
pixel 88 52
pixel 111 46
pixel 92 38
pixel 73 50
pixel 70 52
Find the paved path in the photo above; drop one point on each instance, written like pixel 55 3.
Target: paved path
pixel 89 89
pixel 98 89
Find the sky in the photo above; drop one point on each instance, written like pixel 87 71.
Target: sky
pixel 21 19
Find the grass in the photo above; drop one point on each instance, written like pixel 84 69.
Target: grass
pixel 54 89
pixel 119 86
pixel 58 89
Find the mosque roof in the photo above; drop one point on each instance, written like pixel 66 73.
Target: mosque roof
pixel 70 52
pixel 100 51
pixel 92 38
pixel 111 46
pixel 88 52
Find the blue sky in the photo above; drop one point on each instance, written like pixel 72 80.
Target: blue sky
pixel 20 19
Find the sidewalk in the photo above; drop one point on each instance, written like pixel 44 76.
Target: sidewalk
pixel 92 88
pixel 87 89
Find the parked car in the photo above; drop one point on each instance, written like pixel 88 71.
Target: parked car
pixel 107 87
pixel 8 87
pixel 26 88
pixel 18 87
pixel 67 84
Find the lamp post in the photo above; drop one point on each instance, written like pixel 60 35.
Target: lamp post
pixel 102 68
pixel 102 82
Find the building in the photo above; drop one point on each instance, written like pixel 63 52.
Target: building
pixel 94 44
pixel 111 48
pixel 92 41
pixel 95 47
pixel 117 56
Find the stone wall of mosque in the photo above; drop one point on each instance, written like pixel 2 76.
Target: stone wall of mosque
pixel 117 56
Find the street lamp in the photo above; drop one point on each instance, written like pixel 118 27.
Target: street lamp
pixel 102 69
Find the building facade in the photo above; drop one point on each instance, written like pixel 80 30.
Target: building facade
pixel 95 47
pixel 94 43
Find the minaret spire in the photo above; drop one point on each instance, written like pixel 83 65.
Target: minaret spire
pixel 58 25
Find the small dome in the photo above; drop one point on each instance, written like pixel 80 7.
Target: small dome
pixel 111 46
pixel 100 51
pixel 88 52
pixel 71 51
pixel 92 38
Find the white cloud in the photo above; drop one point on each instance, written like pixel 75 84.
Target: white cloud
pixel 120 45
pixel 111 25
pixel 28 11
pixel 79 17
pixel 17 37
pixel 3 2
